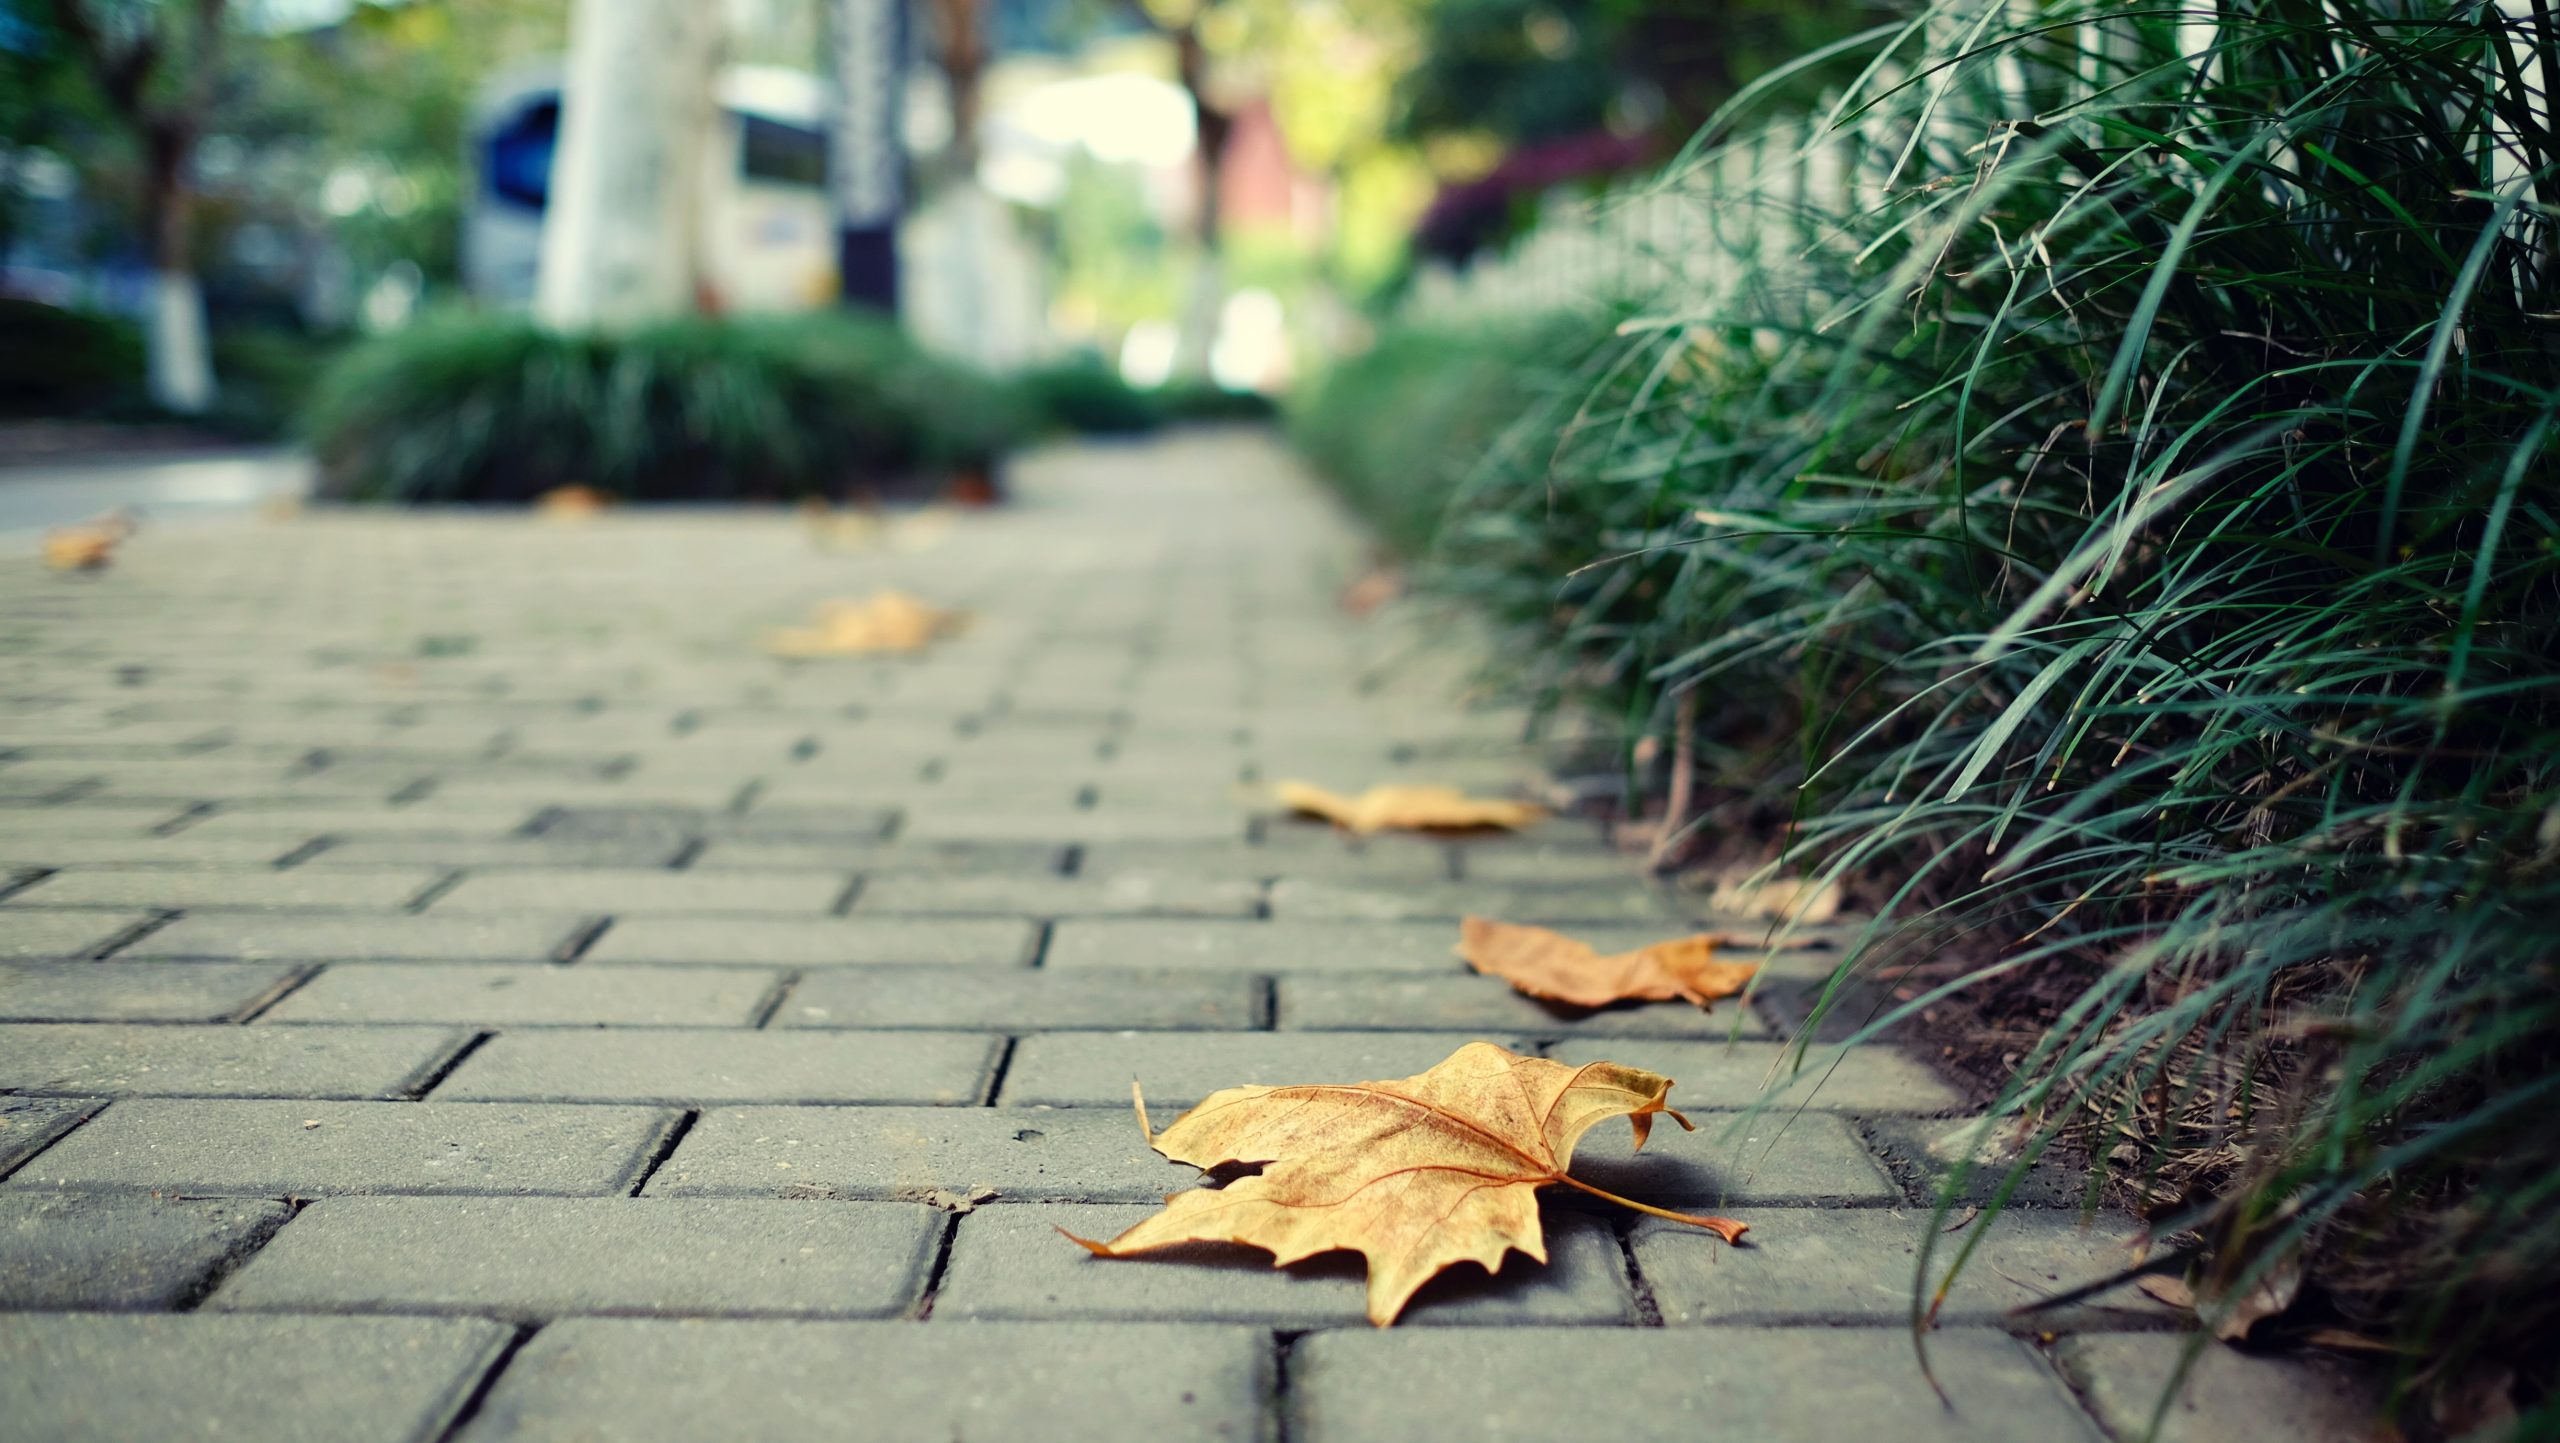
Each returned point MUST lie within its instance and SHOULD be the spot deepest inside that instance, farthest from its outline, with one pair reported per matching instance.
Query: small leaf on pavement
(1560, 969)
(887, 621)
(1407, 808)
(572, 503)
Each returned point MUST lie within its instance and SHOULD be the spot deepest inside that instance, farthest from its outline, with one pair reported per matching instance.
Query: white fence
(1673, 235)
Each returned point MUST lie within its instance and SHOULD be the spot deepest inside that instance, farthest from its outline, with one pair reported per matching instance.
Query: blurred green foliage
(1085, 396)
(1401, 425)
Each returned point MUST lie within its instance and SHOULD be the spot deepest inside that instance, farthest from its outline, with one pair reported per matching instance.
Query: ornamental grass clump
(2097, 483)
(493, 408)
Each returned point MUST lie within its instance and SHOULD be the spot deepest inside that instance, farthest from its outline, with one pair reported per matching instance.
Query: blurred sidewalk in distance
(57, 493)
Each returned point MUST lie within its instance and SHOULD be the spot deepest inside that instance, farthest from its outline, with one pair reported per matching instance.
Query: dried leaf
(1415, 1174)
(2173, 1291)
(1407, 808)
(79, 548)
(2273, 1295)
(889, 621)
(1559, 968)
(921, 531)
(834, 530)
(1790, 900)
(89, 546)
(1379, 586)
(572, 503)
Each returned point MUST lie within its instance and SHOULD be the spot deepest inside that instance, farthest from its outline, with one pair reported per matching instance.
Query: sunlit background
(1204, 192)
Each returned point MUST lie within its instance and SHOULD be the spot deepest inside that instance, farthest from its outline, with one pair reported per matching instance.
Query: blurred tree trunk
(169, 115)
(621, 235)
(1201, 309)
(964, 66)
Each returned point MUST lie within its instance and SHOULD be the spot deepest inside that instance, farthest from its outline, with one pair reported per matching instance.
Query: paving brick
(1022, 1154)
(315, 1149)
(252, 889)
(1535, 1385)
(501, 994)
(617, 892)
(129, 853)
(36, 785)
(121, 1060)
(2225, 1397)
(1090, 826)
(1515, 861)
(301, 821)
(107, 1250)
(1018, 1001)
(1326, 1002)
(763, 823)
(675, 792)
(671, 1382)
(1255, 947)
(1921, 1154)
(1127, 895)
(1094, 1069)
(1296, 900)
(685, 1068)
(112, 1378)
(136, 991)
(1877, 1079)
(1776, 1159)
(529, 938)
(1009, 1262)
(32, 933)
(28, 1125)
(877, 858)
(508, 851)
(19, 824)
(820, 942)
(533, 1259)
(1380, 861)
(1858, 1266)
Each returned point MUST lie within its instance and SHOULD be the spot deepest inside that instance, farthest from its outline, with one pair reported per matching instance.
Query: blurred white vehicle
(767, 235)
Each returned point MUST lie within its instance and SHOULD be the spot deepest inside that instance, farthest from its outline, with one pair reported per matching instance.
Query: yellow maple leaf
(89, 546)
(1411, 808)
(79, 548)
(1416, 1174)
(572, 503)
(1562, 969)
(887, 621)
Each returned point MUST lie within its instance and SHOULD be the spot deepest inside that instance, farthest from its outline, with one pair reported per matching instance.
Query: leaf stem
(1725, 1228)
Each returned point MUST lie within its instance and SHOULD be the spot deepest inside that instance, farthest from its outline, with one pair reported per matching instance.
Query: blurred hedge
(1083, 396)
(494, 409)
(1399, 426)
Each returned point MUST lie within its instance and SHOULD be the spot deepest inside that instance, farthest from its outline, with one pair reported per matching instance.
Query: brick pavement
(453, 986)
